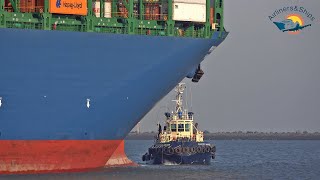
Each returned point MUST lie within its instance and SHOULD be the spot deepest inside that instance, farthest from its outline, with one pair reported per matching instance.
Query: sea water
(235, 159)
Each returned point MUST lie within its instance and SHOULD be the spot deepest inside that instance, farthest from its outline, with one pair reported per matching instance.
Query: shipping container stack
(39, 6)
(211, 15)
(27, 6)
(168, 17)
(96, 8)
(136, 11)
(123, 12)
(8, 6)
(152, 11)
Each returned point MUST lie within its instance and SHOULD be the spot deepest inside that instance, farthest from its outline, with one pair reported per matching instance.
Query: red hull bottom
(37, 156)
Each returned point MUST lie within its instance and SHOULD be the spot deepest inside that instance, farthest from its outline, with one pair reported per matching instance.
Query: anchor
(198, 74)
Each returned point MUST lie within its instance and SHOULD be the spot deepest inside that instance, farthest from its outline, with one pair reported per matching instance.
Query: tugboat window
(180, 127)
(173, 127)
(187, 127)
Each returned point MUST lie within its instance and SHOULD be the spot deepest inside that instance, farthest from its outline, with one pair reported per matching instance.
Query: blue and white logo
(294, 23)
(292, 19)
(58, 3)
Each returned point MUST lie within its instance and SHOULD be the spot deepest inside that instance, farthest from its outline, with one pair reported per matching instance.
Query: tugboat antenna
(179, 89)
(190, 98)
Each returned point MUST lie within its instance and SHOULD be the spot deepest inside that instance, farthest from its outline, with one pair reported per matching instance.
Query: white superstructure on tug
(180, 123)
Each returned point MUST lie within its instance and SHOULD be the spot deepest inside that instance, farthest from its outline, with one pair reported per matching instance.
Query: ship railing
(24, 25)
(199, 32)
(8, 8)
(157, 17)
(115, 30)
(187, 118)
(196, 33)
(119, 14)
(152, 1)
(66, 27)
(25, 9)
(149, 31)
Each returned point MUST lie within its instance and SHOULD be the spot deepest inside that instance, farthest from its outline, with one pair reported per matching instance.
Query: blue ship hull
(47, 78)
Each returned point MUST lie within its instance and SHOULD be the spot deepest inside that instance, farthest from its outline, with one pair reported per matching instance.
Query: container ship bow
(74, 74)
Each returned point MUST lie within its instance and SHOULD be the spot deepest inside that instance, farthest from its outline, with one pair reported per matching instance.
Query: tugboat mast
(179, 89)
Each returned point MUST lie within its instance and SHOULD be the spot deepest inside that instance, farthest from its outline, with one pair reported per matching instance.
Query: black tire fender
(208, 149)
(170, 150)
(185, 150)
(199, 149)
(178, 150)
(193, 150)
(203, 149)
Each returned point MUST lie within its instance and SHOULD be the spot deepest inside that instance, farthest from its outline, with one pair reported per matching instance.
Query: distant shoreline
(239, 136)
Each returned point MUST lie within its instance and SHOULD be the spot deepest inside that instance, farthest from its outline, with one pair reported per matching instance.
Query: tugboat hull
(180, 153)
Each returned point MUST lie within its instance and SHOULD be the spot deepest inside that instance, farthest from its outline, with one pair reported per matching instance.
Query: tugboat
(180, 141)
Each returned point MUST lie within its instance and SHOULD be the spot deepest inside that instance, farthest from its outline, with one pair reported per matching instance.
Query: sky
(259, 78)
